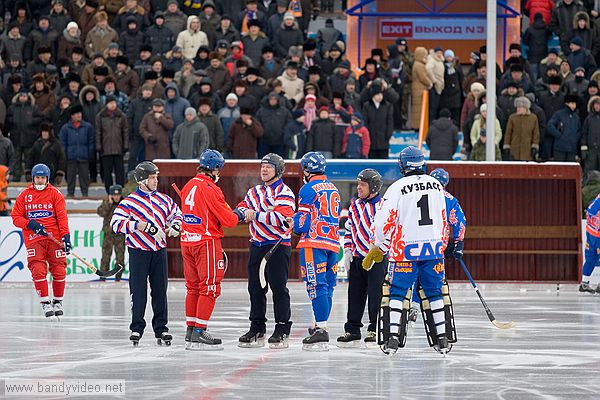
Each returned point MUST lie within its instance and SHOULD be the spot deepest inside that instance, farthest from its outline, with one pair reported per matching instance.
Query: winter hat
(254, 22)
(72, 77)
(571, 98)
(122, 60)
(445, 113)
(101, 16)
(522, 102)
(580, 69)
(159, 14)
(110, 98)
(531, 97)
(74, 109)
(43, 50)
(222, 44)
(231, 96)
(131, 20)
(158, 102)
(282, 3)
(553, 67)
(553, 51)
(190, 111)
(344, 64)
(377, 52)
(309, 44)
(577, 41)
(436, 49)
(297, 113)
(483, 108)
(23, 92)
(310, 97)
(337, 95)
(516, 68)
(150, 75)
(512, 84)
(146, 87)
(323, 108)
(291, 65)
(146, 47)
(100, 71)
(115, 189)
(71, 25)
(449, 53)
(267, 49)
(474, 55)
(168, 73)
(252, 71)
(314, 70)
(45, 127)
(204, 101)
(288, 15)
(401, 42)
(555, 80)
(376, 89)
(514, 46)
(245, 111)
(593, 84)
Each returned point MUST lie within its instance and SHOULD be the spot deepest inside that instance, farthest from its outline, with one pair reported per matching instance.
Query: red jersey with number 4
(205, 211)
(45, 206)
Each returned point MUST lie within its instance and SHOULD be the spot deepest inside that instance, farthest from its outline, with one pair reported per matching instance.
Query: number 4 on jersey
(189, 200)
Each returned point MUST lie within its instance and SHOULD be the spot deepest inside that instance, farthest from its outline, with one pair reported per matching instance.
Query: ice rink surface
(552, 353)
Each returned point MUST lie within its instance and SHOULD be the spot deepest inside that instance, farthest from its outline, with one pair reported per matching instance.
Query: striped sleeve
(348, 228)
(175, 215)
(284, 207)
(120, 221)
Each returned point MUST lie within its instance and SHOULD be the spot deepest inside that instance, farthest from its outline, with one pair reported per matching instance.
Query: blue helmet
(40, 170)
(441, 175)
(411, 159)
(211, 160)
(313, 162)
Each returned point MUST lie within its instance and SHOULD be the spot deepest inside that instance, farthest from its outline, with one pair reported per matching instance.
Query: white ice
(552, 353)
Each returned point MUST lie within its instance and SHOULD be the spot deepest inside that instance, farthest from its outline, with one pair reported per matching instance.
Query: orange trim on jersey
(315, 244)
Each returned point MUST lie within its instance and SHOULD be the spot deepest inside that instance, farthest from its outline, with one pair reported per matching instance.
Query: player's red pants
(203, 269)
(44, 255)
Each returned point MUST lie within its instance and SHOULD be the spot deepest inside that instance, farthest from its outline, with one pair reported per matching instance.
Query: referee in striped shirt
(357, 242)
(266, 207)
(147, 217)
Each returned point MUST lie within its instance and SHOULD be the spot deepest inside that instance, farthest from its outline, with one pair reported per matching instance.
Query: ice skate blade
(279, 345)
(388, 351)
(254, 344)
(371, 345)
(443, 351)
(135, 344)
(354, 344)
(205, 347)
(161, 342)
(322, 346)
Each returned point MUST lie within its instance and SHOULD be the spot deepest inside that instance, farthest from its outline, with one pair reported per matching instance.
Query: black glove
(458, 250)
(67, 244)
(152, 140)
(584, 155)
(506, 155)
(239, 214)
(37, 228)
(534, 153)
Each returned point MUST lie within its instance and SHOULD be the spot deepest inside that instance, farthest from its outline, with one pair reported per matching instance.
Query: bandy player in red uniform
(205, 212)
(40, 212)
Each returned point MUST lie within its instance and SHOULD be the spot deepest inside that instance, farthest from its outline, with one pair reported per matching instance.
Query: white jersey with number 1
(412, 220)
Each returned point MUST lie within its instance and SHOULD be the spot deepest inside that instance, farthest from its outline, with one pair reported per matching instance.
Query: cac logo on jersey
(39, 214)
(423, 251)
(191, 219)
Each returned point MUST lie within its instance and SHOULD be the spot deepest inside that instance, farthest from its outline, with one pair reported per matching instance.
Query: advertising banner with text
(432, 29)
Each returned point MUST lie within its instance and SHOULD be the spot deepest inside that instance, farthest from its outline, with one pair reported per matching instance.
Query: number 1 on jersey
(423, 205)
(189, 199)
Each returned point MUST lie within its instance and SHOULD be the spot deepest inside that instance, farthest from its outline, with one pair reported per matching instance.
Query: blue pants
(592, 254)
(319, 271)
(430, 274)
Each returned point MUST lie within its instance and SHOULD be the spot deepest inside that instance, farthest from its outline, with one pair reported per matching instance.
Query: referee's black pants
(147, 266)
(363, 284)
(277, 271)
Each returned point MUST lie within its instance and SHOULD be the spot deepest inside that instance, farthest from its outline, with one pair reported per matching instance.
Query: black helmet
(373, 178)
(276, 161)
(143, 170)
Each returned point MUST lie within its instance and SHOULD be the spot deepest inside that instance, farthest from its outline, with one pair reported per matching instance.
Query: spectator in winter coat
(581, 57)
(70, 38)
(451, 97)
(506, 100)
(583, 106)
(22, 124)
(551, 59)
(229, 113)
(101, 35)
(226, 31)
(251, 12)
(7, 154)
(242, 139)
(48, 150)
(276, 19)
(272, 115)
(420, 82)
(159, 36)
(110, 89)
(59, 17)
(578, 85)
(269, 66)
(190, 39)
(442, 137)
(357, 141)
(138, 108)
(254, 42)
(435, 69)
(543, 7)
(175, 19)
(128, 82)
(191, 137)
(42, 36)
(175, 105)
(293, 86)
(479, 136)
(131, 10)
(45, 99)
(132, 39)
(323, 137)
(211, 121)
(289, 34)
(112, 141)
(294, 135)
(582, 29)
(561, 22)
(590, 137)
(219, 76)
(522, 135)
(379, 120)
(155, 129)
(565, 127)
(327, 36)
(536, 37)
(13, 43)
(79, 141)
(209, 20)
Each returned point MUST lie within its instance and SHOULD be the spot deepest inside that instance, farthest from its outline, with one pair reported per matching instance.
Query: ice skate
(278, 340)
(443, 347)
(165, 338)
(585, 287)
(371, 340)
(58, 308)
(318, 341)
(252, 339)
(135, 338)
(188, 336)
(391, 346)
(311, 330)
(48, 310)
(202, 341)
(413, 314)
(348, 340)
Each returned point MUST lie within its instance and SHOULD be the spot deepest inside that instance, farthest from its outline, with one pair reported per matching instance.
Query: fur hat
(74, 109)
(123, 60)
(101, 16)
(310, 97)
(571, 98)
(245, 111)
(150, 75)
(555, 80)
(516, 67)
(254, 22)
(309, 44)
(252, 71)
(514, 46)
(45, 127)
(323, 108)
(100, 71)
(522, 102)
(297, 113)
(205, 101)
(110, 98)
(168, 73)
